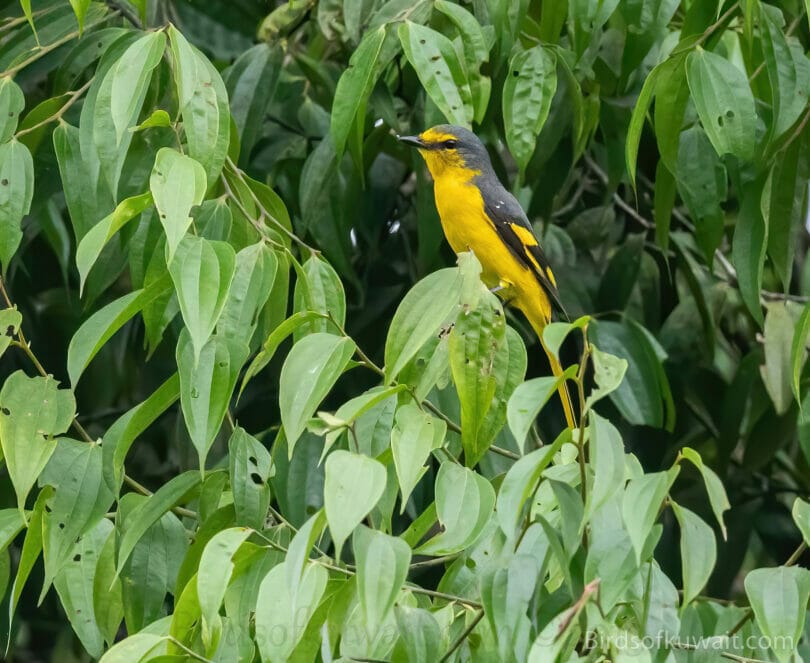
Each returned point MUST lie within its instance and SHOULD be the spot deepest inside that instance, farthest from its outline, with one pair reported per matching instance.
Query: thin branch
(42, 51)
(74, 97)
(461, 638)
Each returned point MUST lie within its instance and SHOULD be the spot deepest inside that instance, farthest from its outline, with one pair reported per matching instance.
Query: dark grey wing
(516, 232)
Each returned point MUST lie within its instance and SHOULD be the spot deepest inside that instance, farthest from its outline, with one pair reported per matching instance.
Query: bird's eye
(450, 144)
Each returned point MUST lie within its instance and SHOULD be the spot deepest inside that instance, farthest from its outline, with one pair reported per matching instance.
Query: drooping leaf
(202, 272)
(419, 315)
(278, 611)
(12, 102)
(724, 102)
(120, 96)
(213, 576)
(464, 503)
(714, 486)
(778, 597)
(251, 467)
(642, 503)
(353, 485)
(203, 105)
(309, 372)
(206, 386)
(80, 500)
(527, 94)
(16, 193)
(435, 60)
(177, 183)
(97, 237)
(698, 552)
(102, 325)
(32, 412)
(414, 436)
(382, 566)
(355, 86)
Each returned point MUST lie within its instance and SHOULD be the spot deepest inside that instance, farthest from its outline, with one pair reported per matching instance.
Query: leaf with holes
(251, 467)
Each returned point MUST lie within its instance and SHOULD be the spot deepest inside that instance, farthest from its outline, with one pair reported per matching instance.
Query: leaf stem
(461, 638)
(42, 51)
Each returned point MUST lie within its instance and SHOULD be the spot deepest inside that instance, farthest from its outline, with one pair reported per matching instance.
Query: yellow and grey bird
(478, 214)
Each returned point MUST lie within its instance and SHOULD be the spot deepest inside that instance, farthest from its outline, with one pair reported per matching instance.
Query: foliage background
(692, 265)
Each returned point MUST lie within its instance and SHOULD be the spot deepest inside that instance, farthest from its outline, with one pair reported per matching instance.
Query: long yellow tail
(537, 320)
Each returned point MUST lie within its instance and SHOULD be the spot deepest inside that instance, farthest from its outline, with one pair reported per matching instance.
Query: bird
(479, 214)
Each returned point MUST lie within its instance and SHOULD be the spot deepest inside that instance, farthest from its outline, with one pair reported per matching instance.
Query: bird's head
(448, 149)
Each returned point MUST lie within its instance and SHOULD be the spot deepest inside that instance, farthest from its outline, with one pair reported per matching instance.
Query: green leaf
(203, 103)
(527, 93)
(779, 600)
(476, 42)
(271, 343)
(108, 604)
(714, 486)
(319, 289)
(382, 566)
(474, 344)
(348, 413)
(640, 397)
(32, 547)
(147, 512)
(16, 193)
(11, 523)
(310, 371)
(607, 463)
(671, 99)
(554, 333)
(801, 516)
(436, 62)
(103, 324)
(12, 102)
(642, 503)
(80, 8)
(776, 372)
(637, 119)
(251, 82)
(698, 552)
(202, 272)
(213, 577)
(74, 584)
(136, 647)
(277, 611)
(419, 633)
(251, 467)
(519, 484)
(352, 487)
(153, 564)
(724, 103)
(783, 201)
(608, 373)
(120, 96)
(97, 237)
(177, 183)
(528, 400)
(421, 312)
(206, 386)
(748, 248)
(253, 278)
(300, 547)
(32, 412)
(80, 500)
(120, 436)
(414, 436)
(355, 86)
(10, 320)
(787, 82)
(464, 504)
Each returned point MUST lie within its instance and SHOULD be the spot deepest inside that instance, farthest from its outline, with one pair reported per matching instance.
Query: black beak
(413, 141)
